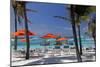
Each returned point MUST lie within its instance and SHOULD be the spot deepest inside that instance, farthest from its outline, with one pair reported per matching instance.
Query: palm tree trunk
(74, 34)
(94, 37)
(79, 34)
(94, 40)
(80, 42)
(26, 31)
(15, 44)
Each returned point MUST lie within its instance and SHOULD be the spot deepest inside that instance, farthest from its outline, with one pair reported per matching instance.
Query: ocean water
(38, 43)
(86, 42)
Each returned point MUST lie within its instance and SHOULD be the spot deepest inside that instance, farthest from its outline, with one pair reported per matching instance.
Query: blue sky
(43, 21)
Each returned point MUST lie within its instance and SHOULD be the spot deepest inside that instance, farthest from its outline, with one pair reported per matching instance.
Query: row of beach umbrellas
(46, 36)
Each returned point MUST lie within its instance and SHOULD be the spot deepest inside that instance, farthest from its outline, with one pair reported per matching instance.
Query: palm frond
(85, 18)
(61, 17)
(13, 2)
(30, 10)
(20, 9)
(92, 28)
(20, 20)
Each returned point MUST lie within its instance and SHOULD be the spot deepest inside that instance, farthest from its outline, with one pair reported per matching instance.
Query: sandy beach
(52, 57)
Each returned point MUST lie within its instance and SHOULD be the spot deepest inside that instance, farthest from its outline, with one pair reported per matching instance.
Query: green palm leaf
(61, 17)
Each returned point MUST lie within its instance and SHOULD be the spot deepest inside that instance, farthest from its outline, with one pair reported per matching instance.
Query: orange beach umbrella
(22, 33)
(62, 39)
(23, 40)
(49, 35)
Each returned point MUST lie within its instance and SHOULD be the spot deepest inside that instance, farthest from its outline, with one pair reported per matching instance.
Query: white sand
(23, 62)
(56, 58)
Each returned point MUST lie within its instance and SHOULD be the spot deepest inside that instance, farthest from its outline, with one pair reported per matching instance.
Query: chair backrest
(57, 47)
(66, 46)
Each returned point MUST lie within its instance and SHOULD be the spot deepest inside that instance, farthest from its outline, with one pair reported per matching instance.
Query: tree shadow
(52, 60)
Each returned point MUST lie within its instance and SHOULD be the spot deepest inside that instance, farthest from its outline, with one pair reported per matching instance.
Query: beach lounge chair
(57, 51)
(57, 47)
(36, 53)
(66, 50)
(19, 54)
(50, 53)
(73, 50)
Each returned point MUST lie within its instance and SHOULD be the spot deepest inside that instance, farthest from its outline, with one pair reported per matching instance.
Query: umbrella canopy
(23, 40)
(62, 39)
(51, 40)
(22, 33)
(49, 35)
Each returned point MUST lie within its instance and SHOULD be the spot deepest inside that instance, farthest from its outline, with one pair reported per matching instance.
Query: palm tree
(82, 13)
(72, 13)
(26, 28)
(22, 6)
(92, 29)
(72, 20)
(19, 13)
(24, 15)
(15, 12)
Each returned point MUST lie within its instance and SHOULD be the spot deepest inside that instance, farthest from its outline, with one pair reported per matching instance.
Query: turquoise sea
(38, 43)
